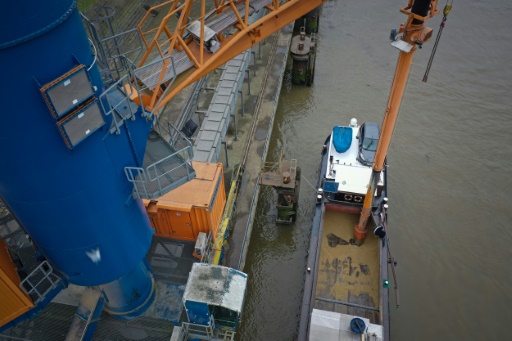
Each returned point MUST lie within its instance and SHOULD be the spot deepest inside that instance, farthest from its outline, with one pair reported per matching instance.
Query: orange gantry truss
(196, 37)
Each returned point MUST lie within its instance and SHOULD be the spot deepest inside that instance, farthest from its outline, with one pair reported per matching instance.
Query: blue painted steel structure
(75, 203)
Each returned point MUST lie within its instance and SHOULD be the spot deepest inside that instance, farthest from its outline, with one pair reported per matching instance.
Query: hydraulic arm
(414, 34)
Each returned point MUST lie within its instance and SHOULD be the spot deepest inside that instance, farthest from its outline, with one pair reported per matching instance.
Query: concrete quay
(254, 110)
(266, 86)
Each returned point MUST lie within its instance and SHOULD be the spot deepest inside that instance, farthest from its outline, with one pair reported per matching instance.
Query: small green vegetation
(84, 5)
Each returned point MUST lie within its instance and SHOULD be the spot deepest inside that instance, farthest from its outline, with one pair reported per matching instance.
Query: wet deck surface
(346, 272)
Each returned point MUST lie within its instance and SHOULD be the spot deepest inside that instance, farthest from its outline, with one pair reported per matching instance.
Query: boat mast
(414, 34)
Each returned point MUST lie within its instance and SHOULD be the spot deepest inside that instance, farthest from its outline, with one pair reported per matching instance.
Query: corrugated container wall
(13, 301)
(194, 207)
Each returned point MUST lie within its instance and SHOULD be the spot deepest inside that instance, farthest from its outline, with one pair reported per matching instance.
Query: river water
(450, 183)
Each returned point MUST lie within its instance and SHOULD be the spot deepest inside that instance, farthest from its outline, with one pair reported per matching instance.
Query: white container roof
(216, 285)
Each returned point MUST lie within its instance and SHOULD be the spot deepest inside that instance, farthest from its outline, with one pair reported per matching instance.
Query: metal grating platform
(207, 145)
(228, 18)
(171, 261)
(165, 167)
(149, 75)
(54, 322)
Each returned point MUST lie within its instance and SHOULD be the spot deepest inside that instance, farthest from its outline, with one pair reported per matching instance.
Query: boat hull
(343, 279)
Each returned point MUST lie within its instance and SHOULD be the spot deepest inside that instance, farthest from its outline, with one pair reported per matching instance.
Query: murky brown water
(450, 186)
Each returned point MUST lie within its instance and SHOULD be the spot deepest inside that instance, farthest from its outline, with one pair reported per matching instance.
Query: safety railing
(167, 164)
(199, 332)
(224, 334)
(115, 53)
(123, 50)
(39, 282)
(155, 79)
(118, 101)
(206, 255)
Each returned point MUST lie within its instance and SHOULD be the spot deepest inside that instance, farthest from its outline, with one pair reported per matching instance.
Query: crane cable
(446, 11)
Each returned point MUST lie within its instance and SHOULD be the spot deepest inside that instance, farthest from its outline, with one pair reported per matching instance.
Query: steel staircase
(166, 165)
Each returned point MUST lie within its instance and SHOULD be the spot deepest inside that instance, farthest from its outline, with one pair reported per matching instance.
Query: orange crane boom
(414, 34)
(206, 42)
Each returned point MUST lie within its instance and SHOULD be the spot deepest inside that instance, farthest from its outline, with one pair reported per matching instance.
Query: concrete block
(201, 155)
(229, 76)
(206, 135)
(227, 84)
(217, 108)
(204, 145)
(211, 125)
(216, 116)
(222, 98)
(224, 91)
(237, 62)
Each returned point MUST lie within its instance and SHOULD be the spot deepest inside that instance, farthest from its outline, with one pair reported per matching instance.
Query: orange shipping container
(13, 301)
(194, 207)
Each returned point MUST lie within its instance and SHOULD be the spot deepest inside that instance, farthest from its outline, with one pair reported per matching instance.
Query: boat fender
(393, 34)
(379, 231)
(357, 325)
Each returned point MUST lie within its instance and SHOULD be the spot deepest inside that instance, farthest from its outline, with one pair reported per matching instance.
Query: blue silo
(62, 171)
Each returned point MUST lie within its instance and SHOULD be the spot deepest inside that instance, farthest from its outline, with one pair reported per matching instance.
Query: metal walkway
(208, 143)
(151, 76)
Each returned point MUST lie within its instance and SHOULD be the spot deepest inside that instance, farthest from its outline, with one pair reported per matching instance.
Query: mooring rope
(309, 183)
